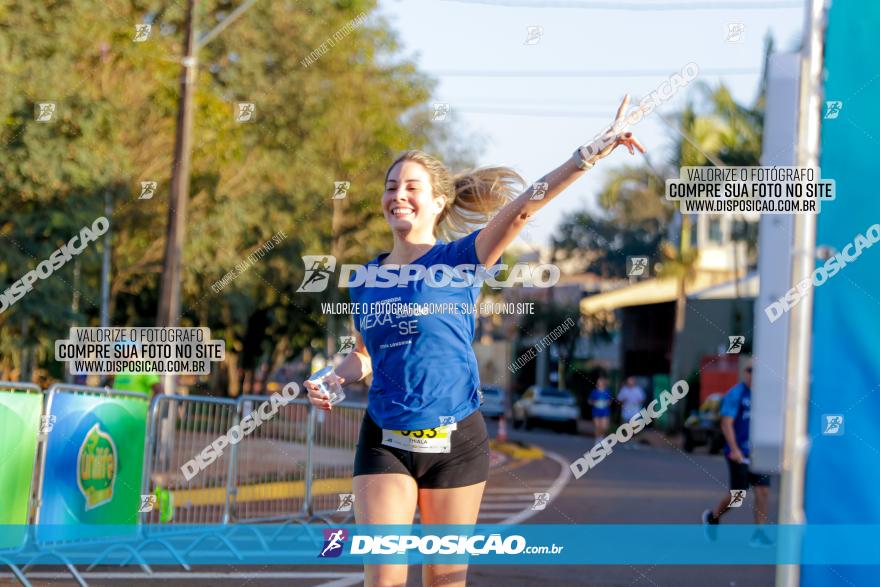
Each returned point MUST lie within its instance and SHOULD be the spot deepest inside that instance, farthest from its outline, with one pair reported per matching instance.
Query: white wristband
(582, 159)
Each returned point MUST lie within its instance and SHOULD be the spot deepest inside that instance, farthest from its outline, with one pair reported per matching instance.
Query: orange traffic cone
(501, 436)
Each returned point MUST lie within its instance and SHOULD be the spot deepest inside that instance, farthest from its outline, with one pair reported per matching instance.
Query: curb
(517, 450)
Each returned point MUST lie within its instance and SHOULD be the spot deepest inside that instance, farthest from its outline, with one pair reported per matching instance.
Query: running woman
(423, 442)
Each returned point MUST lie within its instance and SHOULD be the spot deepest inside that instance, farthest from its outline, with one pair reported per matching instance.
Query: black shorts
(467, 463)
(742, 478)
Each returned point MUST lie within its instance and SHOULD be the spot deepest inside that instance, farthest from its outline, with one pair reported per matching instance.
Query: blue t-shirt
(601, 401)
(424, 368)
(737, 404)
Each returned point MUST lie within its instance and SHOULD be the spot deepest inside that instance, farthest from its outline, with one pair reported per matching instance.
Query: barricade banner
(20, 412)
(93, 465)
(843, 434)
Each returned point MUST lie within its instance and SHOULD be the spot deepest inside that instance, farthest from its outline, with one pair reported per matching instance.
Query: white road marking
(507, 505)
(554, 490)
(356, 579)
(509, 496)
(531, 488)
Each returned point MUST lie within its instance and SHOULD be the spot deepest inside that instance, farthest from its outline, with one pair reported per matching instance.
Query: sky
(531, 104)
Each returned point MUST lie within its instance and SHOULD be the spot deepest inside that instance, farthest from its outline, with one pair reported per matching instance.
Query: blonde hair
(472, 197)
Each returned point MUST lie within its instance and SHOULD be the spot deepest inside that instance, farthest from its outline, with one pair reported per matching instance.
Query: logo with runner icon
(334, 541)
(346, 501)
(148, 502)
(735, 344)
(737, 496)
(541, 501)
(319, 268)
(346, 345)
(636, 266)
(832, 424)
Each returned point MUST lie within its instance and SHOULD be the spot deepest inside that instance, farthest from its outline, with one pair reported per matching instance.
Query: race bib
(431, 440)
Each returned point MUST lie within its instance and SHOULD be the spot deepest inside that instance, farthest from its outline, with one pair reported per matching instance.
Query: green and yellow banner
(20, 413)
(94, 460)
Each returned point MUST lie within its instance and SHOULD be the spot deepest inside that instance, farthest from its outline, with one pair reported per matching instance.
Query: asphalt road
(637, 484)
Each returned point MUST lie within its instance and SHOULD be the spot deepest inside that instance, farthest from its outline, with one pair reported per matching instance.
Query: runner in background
(600, 401)
(736, 410)
(631, 398)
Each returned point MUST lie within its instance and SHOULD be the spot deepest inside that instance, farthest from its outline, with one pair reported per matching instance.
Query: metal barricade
(269, 464)
(334, 437)
(292, 464)
(179, 444)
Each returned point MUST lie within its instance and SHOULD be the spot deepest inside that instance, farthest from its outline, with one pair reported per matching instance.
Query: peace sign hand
(613, 137)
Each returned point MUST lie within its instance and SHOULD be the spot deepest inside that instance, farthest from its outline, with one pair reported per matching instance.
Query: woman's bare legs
(388, 498)
(460, 505)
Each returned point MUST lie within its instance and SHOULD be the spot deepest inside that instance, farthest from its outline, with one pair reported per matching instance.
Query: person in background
(736, 410)
(148, 383)
(600, 401)
(631, 398)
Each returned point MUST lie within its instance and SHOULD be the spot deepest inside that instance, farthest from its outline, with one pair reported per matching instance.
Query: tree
(635, 215)
(633, 221)
(727, 133)
(340, 118)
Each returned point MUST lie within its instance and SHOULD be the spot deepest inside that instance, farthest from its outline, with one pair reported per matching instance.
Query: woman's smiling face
(409, 203)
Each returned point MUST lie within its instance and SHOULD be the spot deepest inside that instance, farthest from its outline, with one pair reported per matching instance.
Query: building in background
(720, 304)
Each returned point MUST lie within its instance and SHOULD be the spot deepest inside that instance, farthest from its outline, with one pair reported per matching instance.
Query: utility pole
(74, 310)
(105, 263)
(169, 296)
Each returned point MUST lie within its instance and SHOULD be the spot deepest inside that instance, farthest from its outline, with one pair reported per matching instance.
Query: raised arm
(510, 220)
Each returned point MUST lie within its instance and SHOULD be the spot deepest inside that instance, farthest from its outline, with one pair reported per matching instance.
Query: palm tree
(722, 133)
(681, 264)
(727, 134)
